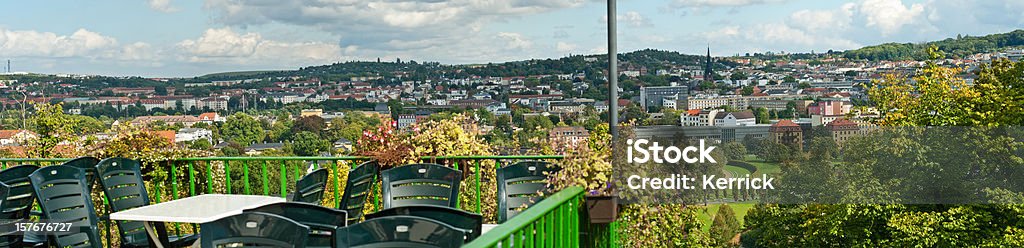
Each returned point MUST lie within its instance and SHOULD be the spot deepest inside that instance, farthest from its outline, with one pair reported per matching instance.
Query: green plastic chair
(121, 180)
(89, 165)
(518, 185)
(16, 205)
(253, 229)
(469, 223)
(322, 221)
(399, 231)
(421, 184)
(357, 189)
(63, 197)
(310, 189)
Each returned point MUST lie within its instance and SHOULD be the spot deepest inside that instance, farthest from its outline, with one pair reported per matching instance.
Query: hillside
(953, 47)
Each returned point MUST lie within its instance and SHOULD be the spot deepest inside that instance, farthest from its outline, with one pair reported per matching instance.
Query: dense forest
(958, 47)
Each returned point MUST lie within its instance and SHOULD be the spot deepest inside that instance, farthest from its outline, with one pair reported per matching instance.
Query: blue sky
(179, 38)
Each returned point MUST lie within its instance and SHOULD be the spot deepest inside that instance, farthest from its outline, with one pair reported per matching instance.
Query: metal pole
(613, 74)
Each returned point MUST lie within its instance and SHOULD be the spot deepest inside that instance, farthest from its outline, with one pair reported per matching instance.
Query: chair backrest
(63, 197)
(89, 165)
(16, 204)
(399, 231)
(518, 185)
(322, 221)
(469, 223)
(357, 189)
(253, 229)
(121, 180)
(310, 189)
(420, 184)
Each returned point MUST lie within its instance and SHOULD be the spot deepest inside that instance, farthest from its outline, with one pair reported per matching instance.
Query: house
(211, 117)
(788, 133)
(699, 117)
(312, 112)
(842, 130)
(193, 134)
(561, 137)
(15, 137)
(732, 119)
(259, 148)
(343, 144)
(185, 120)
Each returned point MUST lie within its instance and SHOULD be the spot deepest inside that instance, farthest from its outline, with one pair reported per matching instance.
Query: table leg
(152, 234)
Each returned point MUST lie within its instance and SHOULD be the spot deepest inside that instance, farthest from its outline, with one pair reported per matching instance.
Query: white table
(486, 228)
(196, 210)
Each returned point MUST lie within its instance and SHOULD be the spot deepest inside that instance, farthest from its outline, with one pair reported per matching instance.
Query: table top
(196, 209)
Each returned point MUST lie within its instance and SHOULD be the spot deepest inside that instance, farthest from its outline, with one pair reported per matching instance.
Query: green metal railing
(552, 222)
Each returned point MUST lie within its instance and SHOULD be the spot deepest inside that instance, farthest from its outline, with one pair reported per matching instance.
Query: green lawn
(741, 208)
(736, 171)
(762, 166)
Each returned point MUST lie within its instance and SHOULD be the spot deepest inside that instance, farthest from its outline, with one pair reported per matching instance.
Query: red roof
(209, 116)
(169, 135)
(842, 122)
(7, 134)
(785, 123)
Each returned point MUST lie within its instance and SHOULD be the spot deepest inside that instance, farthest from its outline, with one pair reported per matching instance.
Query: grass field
(762, 166)
(708, 214)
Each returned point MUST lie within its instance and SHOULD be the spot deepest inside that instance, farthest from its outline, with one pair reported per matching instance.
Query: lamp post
(613, 74)
(24, 100)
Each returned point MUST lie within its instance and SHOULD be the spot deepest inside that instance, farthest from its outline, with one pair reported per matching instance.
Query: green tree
(761, 115)
(725, 226)
(314, 124)
(734, 150)
(307, 143)
(243, 129)
(52, 126)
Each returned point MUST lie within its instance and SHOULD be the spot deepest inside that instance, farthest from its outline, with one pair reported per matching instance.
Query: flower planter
(602, 209)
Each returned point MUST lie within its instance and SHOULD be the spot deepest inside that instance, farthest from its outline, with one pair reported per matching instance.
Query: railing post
(227, 175)
(245, 176)
(284, 178)
(335, 174)
(191, 179)
(266, 178)
(479, 191)
(209, 176)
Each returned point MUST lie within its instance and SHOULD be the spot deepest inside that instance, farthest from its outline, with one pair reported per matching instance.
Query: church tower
(707, 68)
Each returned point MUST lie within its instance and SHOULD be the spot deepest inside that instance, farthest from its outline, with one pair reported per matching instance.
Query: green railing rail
(552, 222)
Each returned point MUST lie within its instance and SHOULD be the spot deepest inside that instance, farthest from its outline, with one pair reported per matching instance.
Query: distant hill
(235, 74)
(953, 47)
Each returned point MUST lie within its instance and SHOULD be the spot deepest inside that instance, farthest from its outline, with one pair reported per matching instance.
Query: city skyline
(169, 38)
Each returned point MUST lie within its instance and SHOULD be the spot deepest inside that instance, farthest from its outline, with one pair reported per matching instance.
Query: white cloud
(515, 41)
(722, 3)
(162, 6)
(428, 29)
(775, 37)
(890, 16)
(226, 46)
(635, 19)
(565, 47)
(823, 20)
(631, 18)
(82, 43)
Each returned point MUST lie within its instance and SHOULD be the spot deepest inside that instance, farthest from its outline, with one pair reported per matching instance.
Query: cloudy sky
(183, 38)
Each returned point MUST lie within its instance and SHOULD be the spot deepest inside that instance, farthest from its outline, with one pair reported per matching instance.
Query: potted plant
(588, 165)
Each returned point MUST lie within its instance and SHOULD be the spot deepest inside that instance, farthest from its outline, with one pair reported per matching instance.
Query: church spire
(707, 67)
